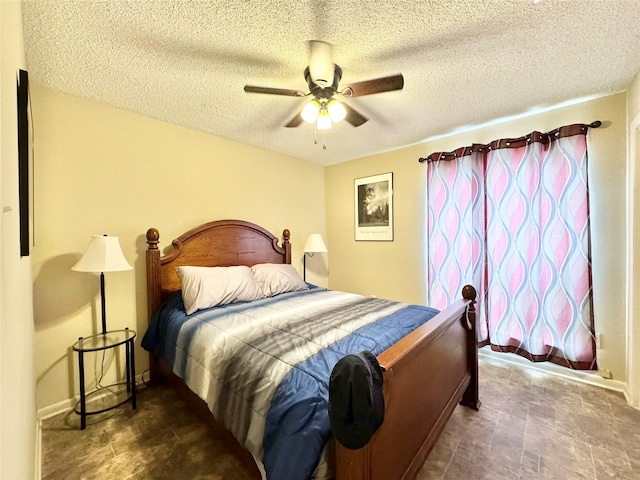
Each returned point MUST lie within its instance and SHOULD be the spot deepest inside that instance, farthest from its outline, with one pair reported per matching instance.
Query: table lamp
(314, 244)
(103, 254)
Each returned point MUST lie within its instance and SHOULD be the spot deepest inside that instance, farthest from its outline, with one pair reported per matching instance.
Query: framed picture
(374, 207)
(25, 163)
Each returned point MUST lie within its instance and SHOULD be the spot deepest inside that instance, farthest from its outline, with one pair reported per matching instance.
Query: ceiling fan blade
(274, 91)
(295, 121)
(353, 117)
(378, 85)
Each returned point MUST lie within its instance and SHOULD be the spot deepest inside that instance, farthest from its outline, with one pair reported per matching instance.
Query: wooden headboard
(222, 243)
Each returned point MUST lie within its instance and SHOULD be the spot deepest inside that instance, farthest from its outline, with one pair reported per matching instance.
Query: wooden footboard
(426, 374)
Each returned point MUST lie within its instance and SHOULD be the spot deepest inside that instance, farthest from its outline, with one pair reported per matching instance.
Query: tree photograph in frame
(374, 207)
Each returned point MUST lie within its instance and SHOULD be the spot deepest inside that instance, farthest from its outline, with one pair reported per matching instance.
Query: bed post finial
(469, 293)
(152, 238)
(286, 236)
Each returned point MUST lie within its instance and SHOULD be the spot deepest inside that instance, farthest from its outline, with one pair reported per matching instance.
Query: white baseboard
(581, 376)
(67, 405)
(56, 409)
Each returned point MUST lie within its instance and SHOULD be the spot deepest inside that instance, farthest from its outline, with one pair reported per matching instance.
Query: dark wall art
(374, 207)
(25, 163)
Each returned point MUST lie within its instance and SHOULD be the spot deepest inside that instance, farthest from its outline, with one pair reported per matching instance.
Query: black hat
(356, 403)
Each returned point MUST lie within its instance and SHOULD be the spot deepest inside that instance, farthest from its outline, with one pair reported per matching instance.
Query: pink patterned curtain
(456, 233)
(512, 218)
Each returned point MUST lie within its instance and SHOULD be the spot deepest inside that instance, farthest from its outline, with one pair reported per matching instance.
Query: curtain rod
(560, 132)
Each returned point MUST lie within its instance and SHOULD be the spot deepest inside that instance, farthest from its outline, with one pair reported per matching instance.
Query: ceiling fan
(323, 78)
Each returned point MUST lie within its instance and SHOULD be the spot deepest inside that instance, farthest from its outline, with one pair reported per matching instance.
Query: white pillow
(206, 287)
(275, 278)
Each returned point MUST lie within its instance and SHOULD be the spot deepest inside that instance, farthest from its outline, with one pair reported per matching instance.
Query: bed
(427, 372)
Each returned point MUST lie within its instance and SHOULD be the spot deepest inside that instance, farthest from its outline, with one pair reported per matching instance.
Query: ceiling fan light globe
(337, 112)
(324, 120)
(310, 111)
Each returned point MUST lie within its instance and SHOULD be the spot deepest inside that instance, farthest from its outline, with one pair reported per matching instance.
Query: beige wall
(99, 170)
(634, 242)
(396, 269)
(18, 430)
(103, 170)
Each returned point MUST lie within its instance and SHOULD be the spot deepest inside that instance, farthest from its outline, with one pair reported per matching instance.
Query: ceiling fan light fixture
(324, 120)
(323, 79)
(310, 111)
(337, 112)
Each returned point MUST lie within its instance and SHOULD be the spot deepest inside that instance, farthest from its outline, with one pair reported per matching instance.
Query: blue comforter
(263, 367)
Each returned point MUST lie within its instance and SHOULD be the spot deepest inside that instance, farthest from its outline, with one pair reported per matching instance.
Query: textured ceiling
(464, 62)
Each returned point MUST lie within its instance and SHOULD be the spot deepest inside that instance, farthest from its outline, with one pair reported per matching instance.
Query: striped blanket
(263, 367)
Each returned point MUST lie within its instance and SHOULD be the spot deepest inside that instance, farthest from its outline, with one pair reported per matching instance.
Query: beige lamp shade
(102, 255)
(315, 244)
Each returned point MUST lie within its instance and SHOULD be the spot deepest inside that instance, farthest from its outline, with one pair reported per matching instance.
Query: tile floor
(531, 425)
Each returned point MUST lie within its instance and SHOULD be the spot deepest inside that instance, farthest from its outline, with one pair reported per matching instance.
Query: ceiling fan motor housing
(320, 91)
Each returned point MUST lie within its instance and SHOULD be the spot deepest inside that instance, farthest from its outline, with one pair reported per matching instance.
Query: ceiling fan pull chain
(324, 139)
(315, 134)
